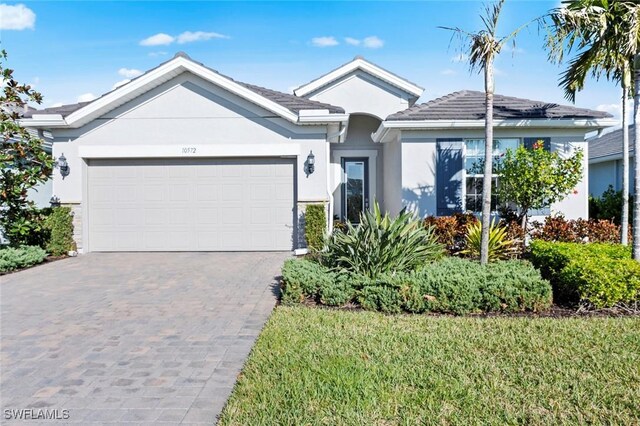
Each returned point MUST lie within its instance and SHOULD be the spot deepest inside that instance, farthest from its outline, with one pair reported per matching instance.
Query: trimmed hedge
(59, 225)
(452, 285)
(315, 226)
(12, 259)
(596, 273)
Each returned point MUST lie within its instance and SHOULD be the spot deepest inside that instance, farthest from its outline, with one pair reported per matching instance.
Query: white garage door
(190, 204)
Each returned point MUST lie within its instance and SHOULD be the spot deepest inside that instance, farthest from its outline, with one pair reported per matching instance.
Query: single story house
(184, 158)
(605, 162)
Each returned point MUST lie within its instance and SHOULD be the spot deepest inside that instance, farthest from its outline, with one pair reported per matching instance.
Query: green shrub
(381, 244)
(609, 206)
(600, 274)
(12, 259)
(381, 294)
(339, 291)
(315, 226)
(500, 246)
(452, 285)
(303, 278)
(59, 225)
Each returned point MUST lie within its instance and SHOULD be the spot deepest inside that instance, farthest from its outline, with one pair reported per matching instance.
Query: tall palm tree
(482, 48)
(597, 30)
(607, 32)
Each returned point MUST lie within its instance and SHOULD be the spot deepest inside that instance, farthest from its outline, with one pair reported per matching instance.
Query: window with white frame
(474, 170)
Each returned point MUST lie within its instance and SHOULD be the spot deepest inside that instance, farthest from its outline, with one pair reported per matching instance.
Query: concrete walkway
(148, 338)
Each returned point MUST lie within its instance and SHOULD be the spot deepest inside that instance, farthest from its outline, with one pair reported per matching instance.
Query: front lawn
(321, 366)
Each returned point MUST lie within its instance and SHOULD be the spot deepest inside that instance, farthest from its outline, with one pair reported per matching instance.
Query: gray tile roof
(470, 105)
(609, 144)
(63, 110)
(291, 102)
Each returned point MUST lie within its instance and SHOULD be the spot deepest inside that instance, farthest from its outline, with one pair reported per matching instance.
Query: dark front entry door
(355, 188)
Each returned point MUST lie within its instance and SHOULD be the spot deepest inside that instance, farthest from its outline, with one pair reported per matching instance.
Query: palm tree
(596, 29)
(607, 34)
(482, 48)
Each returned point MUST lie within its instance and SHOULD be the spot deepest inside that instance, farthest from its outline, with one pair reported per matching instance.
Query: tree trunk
(636, 161)
(488, 162)
(624, 221)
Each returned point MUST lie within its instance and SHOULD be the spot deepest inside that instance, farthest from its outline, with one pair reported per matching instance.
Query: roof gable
(470, 105)
(282, 104)
(359, 63)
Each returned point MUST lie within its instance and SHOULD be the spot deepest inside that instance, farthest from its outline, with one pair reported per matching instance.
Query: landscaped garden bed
(327, 366)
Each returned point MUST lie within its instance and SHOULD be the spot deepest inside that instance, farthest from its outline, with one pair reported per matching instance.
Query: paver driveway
(132, 337)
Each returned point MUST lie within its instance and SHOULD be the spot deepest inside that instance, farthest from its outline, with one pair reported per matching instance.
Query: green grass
(328, 367)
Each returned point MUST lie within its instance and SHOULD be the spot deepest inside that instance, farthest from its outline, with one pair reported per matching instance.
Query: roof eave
(551, 123)
(368, 67)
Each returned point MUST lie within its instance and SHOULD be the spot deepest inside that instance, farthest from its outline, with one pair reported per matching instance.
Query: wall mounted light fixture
(311, 161)
(61, 163)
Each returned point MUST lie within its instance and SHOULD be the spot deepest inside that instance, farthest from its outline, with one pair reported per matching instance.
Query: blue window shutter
(528, 143)
(449, 165)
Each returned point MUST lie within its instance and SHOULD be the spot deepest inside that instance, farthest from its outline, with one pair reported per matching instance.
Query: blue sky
(75, 50)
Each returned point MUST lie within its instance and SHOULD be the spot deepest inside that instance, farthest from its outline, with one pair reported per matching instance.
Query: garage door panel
(190, 204)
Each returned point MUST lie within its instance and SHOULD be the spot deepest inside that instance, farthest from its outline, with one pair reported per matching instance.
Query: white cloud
(55, 105)
(352, 41)
(86, 97)
(189, 36)
(461, 57)
(160, 39)
(129, 72)
(16, 17)
(372, 42)
(160, 53)
(324, 41)
(120, 83)
(163, 39)
(448, 71)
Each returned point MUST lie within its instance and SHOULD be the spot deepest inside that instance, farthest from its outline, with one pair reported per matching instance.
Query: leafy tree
(536, 178)
(482, 48)
(598, 29)
(23, 162)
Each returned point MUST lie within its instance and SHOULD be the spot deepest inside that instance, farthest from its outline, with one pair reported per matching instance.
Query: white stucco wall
(188, 111)
(392, 172)
(361, 92)
(605, 173)
(419, 165)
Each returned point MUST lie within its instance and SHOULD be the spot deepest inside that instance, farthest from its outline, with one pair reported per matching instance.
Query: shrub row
(599, 274)
(452, 285)
(12, 259)
(576, 231)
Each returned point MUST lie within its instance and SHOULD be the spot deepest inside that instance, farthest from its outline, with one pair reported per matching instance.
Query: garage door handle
(289, 226)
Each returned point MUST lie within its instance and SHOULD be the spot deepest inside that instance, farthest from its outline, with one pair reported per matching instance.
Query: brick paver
(148, 338)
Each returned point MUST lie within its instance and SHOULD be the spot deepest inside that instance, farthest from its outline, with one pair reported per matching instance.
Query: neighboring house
(605, 162)
(183, 158)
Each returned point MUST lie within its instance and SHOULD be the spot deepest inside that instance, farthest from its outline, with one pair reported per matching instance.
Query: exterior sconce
(62, 164)
(54, 201)
(311, 161)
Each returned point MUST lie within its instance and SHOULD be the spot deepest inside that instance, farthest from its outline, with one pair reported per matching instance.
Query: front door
(355, 188)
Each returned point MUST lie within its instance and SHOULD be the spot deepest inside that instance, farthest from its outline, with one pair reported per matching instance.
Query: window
(474, 167)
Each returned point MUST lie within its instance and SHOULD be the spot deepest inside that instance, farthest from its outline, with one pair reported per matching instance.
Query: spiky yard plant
(382, 244)
(500, 246)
